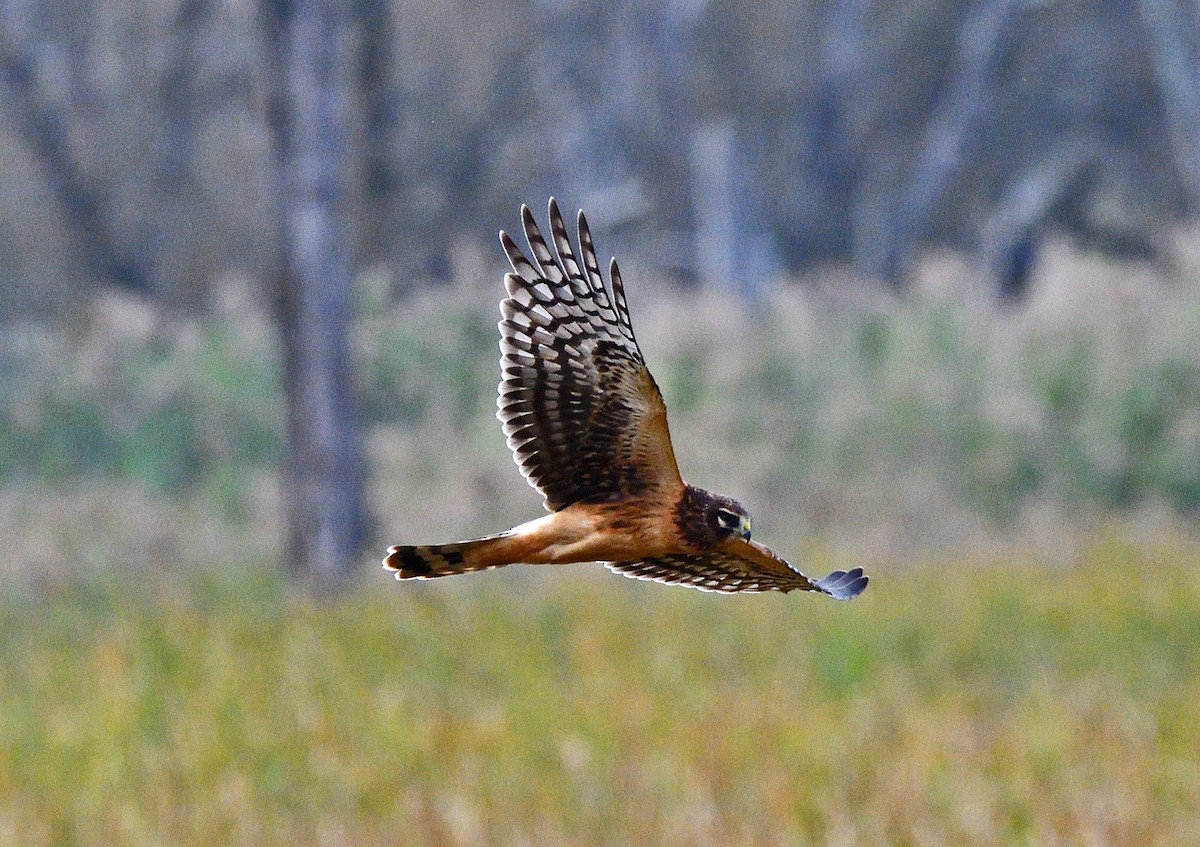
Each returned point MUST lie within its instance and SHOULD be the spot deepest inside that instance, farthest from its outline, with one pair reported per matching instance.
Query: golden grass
(951, 704)
(155, 689)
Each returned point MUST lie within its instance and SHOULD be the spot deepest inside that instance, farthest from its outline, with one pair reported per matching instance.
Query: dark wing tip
(406, 562)
(844, 585)
(515, 257)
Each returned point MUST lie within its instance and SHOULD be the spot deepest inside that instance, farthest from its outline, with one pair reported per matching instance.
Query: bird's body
(588, 429)
(582, 532)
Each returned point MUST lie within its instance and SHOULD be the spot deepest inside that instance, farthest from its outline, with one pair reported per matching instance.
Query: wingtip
(844, 585)
(515, 256)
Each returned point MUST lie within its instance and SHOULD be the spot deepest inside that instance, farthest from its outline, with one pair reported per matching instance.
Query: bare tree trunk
(1175, 52)
(323, 476)
(832, 152)
(45, 128)
(899, 227)
(715, 235)
(1010, 235)
(732, 253)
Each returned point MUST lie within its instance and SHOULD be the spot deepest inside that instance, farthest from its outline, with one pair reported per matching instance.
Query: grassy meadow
(1022, 483)
(951, 704)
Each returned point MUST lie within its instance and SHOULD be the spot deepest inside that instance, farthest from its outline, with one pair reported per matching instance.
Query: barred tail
(434, 560)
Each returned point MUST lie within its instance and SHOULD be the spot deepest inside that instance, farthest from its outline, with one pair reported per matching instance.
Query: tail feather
(433, 560)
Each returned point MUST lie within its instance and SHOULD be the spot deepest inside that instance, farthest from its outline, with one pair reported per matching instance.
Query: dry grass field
(1021, 483)
(1019, 703)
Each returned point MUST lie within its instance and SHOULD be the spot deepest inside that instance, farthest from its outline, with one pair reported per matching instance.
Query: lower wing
(740, 565)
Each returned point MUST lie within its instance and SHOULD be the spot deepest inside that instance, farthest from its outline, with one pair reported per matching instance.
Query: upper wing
(740, 565)
(583, 416)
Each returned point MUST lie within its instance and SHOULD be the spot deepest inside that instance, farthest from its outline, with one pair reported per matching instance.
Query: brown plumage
(588, 429)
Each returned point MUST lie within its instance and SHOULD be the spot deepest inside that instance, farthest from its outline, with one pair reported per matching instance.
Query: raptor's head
(726, 516)
(704, 519)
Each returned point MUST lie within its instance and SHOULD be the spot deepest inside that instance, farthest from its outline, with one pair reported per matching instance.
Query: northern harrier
(588, 429)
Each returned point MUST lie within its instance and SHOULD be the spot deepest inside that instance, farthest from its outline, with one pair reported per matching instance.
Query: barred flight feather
(726, 573)
(574, 390)
(587, 427)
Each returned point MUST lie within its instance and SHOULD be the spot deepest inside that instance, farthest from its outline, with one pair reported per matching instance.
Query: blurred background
(921, 285)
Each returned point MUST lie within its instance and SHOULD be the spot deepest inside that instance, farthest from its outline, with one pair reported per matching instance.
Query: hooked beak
(745, 528)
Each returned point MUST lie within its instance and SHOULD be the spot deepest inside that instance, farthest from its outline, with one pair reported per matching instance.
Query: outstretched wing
(583, 417)
(740, 565)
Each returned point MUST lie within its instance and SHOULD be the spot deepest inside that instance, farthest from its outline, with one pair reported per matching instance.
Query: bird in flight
(588, 428)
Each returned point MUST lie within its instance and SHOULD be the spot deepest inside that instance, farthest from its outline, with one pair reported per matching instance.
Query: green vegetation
(950, 704)
(936, 419)
(135, 397)
(157, 689)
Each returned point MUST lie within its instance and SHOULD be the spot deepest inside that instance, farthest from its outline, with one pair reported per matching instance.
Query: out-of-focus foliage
(123, 395)
(732, 144)
(923, 421)
(160, 684)
(717, 140)
(954, 704)
(830, 409)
